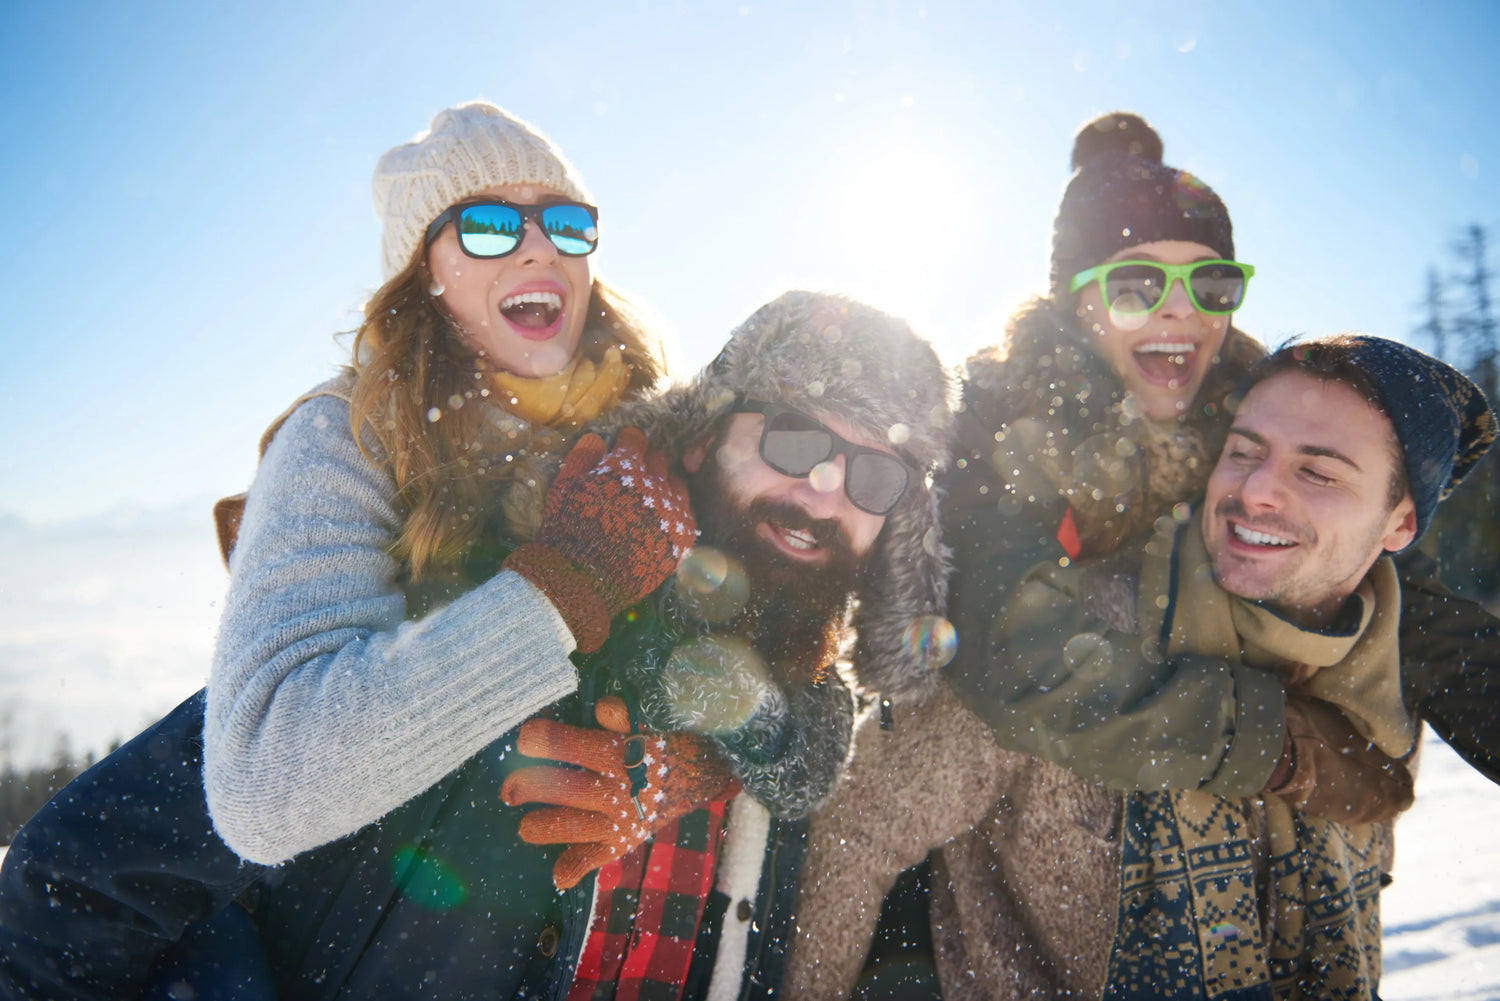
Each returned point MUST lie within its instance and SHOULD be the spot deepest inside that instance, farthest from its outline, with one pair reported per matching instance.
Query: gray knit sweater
(327, 708)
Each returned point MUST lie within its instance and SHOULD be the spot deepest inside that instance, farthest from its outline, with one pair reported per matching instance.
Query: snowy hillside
(1442, 913)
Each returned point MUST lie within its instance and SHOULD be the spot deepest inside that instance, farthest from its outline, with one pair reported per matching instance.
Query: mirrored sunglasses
(1215, 287)
(793, 444)
(493, 228)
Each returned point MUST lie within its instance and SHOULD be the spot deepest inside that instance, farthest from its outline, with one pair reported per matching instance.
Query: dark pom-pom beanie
(1121, 194)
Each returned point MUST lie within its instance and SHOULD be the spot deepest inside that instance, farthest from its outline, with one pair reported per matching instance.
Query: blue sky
(186, 219)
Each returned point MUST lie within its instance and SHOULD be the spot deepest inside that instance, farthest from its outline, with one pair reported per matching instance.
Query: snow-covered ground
(1442, 913)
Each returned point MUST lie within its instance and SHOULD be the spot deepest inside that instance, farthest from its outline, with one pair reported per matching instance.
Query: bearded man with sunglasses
(641, 838)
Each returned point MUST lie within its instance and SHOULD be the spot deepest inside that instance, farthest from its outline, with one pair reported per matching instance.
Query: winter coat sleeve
(1450, 664)
(326, 707)
(107, 877)
(1063, 684)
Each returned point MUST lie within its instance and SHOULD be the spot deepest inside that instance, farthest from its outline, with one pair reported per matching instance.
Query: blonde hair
(409, 362)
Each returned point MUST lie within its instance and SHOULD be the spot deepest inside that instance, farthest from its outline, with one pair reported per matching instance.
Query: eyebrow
(1158, 260)
(1314, 450)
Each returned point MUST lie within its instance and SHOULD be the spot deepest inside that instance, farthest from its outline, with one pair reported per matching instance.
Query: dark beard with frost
(793, 608)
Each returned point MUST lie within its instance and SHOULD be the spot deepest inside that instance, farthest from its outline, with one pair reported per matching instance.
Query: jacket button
(547, 941)
(743, 910)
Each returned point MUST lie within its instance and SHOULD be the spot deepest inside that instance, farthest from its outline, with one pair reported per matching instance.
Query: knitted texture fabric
(317, 665)
(464, 151)
(1441, 418)
(1122, 195)
(629, 786)
(615, 527)
(830, 356)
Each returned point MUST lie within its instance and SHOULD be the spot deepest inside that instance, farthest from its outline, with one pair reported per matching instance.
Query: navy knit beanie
(1441, 418)
(1121, 195)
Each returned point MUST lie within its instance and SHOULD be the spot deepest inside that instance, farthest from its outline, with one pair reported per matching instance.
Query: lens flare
(713, 684)
(1126, 314)
(931, 640)
(825, 478)
(711, 584)
(426, 880)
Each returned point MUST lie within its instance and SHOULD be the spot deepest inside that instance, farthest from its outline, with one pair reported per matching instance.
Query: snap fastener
(635, 750)
(546, 942)
(743, 910)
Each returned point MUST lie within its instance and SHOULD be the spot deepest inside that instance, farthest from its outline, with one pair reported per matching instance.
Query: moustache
(827, 532)
(1272, 524)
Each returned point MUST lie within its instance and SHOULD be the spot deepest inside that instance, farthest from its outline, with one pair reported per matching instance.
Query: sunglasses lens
(1218, 287)
(875, 481)
(794, 444)
(1134, 288)
(489, 230)
(571, 229)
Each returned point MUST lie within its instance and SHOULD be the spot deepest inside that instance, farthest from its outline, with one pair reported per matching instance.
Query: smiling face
(1161, 356)
(1299, 505)
(524, 312)
(804, 522)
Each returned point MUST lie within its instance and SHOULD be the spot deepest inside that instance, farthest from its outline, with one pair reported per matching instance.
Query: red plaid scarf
(647, 908)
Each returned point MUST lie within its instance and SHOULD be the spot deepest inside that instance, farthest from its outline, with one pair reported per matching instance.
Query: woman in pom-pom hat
(1103, 408)
(1101, 413)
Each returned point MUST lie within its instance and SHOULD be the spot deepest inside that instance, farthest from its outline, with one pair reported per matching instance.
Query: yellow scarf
(572, 397)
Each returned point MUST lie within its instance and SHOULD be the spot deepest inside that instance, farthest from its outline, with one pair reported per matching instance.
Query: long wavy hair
(409, 362)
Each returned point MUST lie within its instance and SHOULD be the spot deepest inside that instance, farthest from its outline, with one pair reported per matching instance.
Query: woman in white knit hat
(369, 646)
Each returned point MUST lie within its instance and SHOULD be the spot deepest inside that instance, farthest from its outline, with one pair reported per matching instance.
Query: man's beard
(793, 609)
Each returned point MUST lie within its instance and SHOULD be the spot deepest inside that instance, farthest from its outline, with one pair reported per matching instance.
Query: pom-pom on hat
(1121, 194)
(1442, 420)
(464, 151)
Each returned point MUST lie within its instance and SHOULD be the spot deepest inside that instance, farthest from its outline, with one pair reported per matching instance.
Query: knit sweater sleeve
(326, 707)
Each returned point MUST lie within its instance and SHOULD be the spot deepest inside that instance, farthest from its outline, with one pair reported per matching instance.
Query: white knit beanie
(465, 150)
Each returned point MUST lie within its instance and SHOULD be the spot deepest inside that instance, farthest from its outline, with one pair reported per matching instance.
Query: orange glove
(1328, 769)
(625, 787)
(615, 525)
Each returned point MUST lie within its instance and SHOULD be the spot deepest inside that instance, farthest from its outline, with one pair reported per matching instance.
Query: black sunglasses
(792, 443)
(491, 228)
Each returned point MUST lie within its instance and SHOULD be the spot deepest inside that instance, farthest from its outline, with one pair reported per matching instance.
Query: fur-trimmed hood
(828, 355)
(1053, 417)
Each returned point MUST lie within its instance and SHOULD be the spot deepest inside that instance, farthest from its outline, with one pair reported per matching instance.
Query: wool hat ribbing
(464, 151)
(1121, 195)
(1442, 420)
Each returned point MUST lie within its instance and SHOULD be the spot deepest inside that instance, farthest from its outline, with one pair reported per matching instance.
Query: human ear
(693, 455)
(1401, 526)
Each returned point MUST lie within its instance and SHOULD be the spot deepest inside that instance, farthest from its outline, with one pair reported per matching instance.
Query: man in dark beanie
(1275, 600)
(1240, 669)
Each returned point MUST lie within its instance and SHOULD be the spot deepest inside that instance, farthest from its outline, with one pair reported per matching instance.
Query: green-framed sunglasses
(1215, 287)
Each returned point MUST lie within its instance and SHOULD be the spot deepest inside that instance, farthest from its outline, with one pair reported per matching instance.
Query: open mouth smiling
(1167, 363)
(799, 543)
(1253, 537)
(536, 312)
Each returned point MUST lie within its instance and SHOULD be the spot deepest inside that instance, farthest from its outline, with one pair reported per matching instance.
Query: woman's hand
(624, 787)
(616, 525)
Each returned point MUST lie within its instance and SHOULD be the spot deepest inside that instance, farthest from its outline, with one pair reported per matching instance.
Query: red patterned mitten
(625, 786)
(615, 525)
